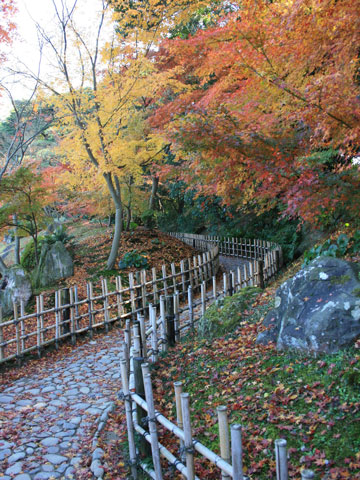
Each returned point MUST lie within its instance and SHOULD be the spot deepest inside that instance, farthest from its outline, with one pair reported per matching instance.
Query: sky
(24, 49)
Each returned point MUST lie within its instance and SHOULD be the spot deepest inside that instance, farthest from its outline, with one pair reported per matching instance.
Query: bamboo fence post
(132, 293)
(65, 312)
(152, 426)
(251, 274)
(173, 276)
(89, 292)
(182, 271)
(163, 271)
(72, 317)
(163, 324)
(143, 288)
(225, 282)
(57, 318)
(2, 348)
(191, 277)
(170, 321)
(190, 304)
(201, 269)
(154, 286)
(17, 331)
(196, 277)
(281, 459)
(203, 298)
(177, 316)
(104, 290)
(138, 296)
(129, 420)
(239, 278)
(76, 298)
(144, 447)
(214, 287)
(179, 419)
(119, 299)
(41, 301)
(224, 437)
(141, 319)
(260, 269)
(236, 452)
(231, 284)
(188, 444)
(22, 325)
(307, 475)
(154, 340)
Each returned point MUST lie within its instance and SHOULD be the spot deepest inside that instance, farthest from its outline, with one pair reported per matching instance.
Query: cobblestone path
(48, 420)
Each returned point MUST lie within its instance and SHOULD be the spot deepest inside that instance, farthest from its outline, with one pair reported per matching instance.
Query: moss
(224, 316)
(356, 292)
(340, 280)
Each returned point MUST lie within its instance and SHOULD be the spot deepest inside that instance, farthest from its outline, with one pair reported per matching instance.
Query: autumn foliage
(269, 107)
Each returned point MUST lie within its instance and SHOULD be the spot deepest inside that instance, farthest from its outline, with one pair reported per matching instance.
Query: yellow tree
(101, 92)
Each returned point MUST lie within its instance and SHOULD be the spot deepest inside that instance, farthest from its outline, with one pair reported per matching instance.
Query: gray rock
(55, 459)
(6, 399)
(22, 476)
(50, 441)
(16, 457)
(14, 469)
(98, 453)
(97, 469)
(53, 449)
(70, 472)
(4, 453)
(55, 264)
(318, 310)
(46, 475)
(15, 287)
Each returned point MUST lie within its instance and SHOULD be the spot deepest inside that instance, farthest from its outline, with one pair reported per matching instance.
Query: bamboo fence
(70, 312)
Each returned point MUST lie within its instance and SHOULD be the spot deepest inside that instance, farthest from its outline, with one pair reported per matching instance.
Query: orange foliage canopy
(266, 86)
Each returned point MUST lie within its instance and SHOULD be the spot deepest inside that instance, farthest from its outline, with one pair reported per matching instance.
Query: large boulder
(55, 264)
(15, 286)
(318, 309)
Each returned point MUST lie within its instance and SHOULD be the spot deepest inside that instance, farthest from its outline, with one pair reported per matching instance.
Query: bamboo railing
(70, 312)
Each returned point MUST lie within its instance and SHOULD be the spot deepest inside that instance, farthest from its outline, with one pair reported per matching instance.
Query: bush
(343, 245)
(133, 259)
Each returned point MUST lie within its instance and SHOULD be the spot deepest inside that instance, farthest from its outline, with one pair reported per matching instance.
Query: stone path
(231, 263)
(49, 420)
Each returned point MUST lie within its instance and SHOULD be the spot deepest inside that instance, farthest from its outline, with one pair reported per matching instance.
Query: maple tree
(267, 95)
(7, 26)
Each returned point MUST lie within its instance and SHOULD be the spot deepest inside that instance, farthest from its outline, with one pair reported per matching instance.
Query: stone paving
(48, 420)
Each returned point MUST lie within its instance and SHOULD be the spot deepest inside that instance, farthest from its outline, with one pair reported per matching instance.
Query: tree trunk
(3, 266)
(154, 189)
(128, 220)
(115, 192)
(17, 241)
(116, 238)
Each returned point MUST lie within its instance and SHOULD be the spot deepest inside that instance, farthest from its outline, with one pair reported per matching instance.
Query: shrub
(28, 258)
(342, 246)
(133, 259)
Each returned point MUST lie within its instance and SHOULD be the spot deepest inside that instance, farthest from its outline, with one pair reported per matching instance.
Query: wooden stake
(17, 330)
(89, 291)
(72, 317)
(119, 299)
(170, 321)
(163, 324)
(188, 444)
(22, 325)
(236, 452)
(203, 298)
(141, 320)
(154, 341)
(177, 315)
(224, 437)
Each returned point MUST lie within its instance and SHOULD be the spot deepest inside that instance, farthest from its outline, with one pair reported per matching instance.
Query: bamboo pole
(152, 426)
(163, 324)
(214, 288)
(188, 443)
(203, 298)
(76, 298)
(22, 325)
(154, 286)
(154, 341)
(182, 271)
(224, 436)
(89, 292)
(225, 282)
(104, 289)
(129, 420)
(72, 317)
(236, 452)
(177, 315)
(57, 318)
(281, 459)
(132, 292)
(178, 386)
(144, 447)
(170, 321)
(141, 319)
(17, 330)
(163, 271)
(41, 301)
(190, 306)
(119, 299)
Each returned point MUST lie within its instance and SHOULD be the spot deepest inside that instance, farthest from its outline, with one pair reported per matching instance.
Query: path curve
(49, 420)
(232, 263)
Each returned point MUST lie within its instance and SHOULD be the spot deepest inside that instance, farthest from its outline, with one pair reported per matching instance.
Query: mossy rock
(224, 315)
